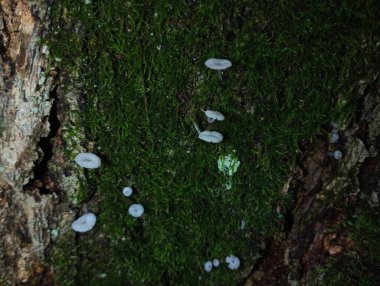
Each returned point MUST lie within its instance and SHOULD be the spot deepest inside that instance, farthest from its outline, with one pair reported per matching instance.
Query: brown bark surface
(25, 106)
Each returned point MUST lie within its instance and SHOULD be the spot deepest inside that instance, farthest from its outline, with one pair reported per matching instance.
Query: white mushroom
(136, 210)
(216, 262)
(207, 266)
(337, 154)
(84, 223)
(213, 115)
(88, 160)
(209, 136)
(127, 191)
(233, 262)
(218, 65)
(334, 138)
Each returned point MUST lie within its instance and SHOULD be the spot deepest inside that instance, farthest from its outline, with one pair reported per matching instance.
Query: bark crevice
(42, 178)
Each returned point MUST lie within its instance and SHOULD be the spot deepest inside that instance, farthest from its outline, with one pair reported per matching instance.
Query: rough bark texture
(319, 185)
(25, 105)
(39, 117)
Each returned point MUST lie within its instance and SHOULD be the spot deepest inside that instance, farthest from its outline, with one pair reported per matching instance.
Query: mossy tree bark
(326, 191)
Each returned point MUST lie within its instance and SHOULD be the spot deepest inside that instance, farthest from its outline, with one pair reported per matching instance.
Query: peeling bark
(25, 88)
(25, 105)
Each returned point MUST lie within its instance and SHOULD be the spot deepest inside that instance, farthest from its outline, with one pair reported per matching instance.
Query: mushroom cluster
(135, 210)
(208, 265)
(233, 263)
(87, 221)
(228, 167)
(212, 115)
(334, 136)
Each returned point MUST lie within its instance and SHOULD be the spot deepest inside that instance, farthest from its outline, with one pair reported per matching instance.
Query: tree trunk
(33, 113)
(25, 111)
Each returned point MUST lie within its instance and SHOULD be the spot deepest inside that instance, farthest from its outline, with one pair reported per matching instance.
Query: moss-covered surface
(144, 82)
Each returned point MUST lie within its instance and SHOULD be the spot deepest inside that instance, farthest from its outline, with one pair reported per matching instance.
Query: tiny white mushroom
(216, 262)
(88, 160)
(233, 262)
(85, 223)
(127, 191)
(375, 198)
(337, 154)
(213, 115)
(334, 138)
(136, 210)
(209, 136)
(207, 266)
(218, 65)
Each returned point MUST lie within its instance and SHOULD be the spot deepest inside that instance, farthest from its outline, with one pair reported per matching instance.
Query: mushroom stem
(337, 154)
(210, 120)
(220, 74)
(197, 128)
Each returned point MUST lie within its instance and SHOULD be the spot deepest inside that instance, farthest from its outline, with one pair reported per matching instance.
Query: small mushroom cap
(84, 223)
(218, 64)
(334, 131)
(338, 154)
(214, 115)
(216, 262)
(88, 160)
(136, 210)
(233, 262)
(211, 136)
(127, 191)
(207, 266)
(334, 138)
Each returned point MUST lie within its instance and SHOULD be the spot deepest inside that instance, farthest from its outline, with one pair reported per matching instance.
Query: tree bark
(25, 107)
(321, 187)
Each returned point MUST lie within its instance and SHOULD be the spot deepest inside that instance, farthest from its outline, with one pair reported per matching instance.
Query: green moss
(348, 269)
(144, 80)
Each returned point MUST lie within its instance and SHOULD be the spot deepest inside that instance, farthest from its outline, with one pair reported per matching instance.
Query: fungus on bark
(218, 65)
(136, 210)
(88, 160)
(85, 223)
